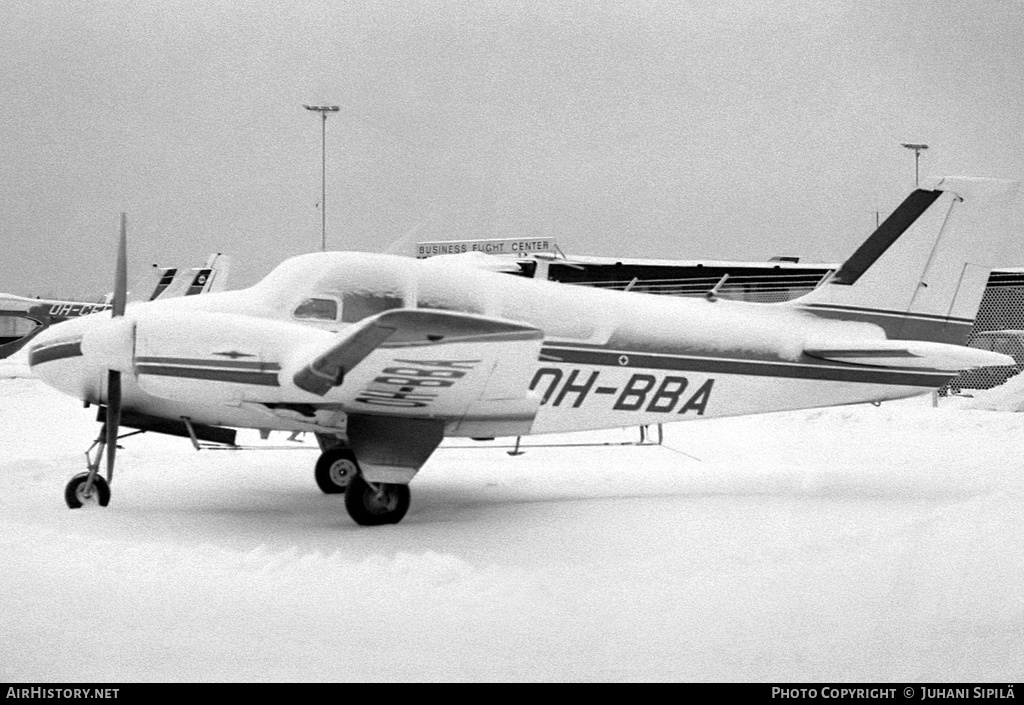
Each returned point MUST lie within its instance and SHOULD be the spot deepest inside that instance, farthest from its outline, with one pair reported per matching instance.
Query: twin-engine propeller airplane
(382, 356)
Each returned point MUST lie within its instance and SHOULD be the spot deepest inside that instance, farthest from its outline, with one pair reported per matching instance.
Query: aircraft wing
(404, 331)
(430, 363)
(907, 354)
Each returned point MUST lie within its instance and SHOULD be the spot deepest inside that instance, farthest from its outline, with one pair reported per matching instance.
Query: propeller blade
(121, 274)
(113, 419)
(113, 425)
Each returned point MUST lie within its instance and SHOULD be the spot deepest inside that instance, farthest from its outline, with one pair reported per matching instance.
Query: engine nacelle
(110, 344)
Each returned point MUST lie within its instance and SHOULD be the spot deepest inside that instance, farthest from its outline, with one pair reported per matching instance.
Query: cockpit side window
(356, 307)
(317, 309)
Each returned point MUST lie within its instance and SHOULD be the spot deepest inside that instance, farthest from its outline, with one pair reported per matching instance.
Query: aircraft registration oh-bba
(382, 356)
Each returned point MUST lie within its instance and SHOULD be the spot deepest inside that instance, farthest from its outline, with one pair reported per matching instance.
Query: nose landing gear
(90, 488)
(81, 493)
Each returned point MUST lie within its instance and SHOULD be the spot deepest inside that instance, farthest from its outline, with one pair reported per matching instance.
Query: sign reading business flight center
(517, 246)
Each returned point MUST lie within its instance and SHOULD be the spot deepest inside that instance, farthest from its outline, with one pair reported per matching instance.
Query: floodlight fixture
(918, 148)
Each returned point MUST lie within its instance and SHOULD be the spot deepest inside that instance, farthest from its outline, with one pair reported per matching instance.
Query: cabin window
(317, 310)
(356, 307)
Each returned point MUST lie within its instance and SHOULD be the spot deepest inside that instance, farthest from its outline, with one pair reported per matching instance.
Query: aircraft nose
(55, 357)
(56, 342)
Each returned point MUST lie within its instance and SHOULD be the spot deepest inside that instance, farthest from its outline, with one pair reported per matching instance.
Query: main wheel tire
(370, 507)
(75, 496)
(335, 470)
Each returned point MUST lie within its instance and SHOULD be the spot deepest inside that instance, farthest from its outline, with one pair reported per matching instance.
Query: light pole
(323, 110)
(918, 148)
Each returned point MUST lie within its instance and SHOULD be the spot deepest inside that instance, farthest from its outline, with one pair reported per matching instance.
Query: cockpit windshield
(317, 309)
(358, 306)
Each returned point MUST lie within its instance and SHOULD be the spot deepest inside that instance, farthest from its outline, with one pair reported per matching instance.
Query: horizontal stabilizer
(908, 354)
(404, 328)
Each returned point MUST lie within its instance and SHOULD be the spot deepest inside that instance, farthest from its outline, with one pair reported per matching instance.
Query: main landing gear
(376, 503)
(368, 503)
(335, 470)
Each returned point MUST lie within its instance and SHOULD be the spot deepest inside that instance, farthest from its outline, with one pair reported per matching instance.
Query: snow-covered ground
(854, 544)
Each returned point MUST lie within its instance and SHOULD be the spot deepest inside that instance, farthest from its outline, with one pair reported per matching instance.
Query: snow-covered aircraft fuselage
(383, 356)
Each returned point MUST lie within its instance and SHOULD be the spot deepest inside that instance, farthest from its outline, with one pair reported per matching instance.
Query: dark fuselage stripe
(55, 351)
(882, 312)
(265, 379)
(202, 362)
(265, 374)
(839, 372)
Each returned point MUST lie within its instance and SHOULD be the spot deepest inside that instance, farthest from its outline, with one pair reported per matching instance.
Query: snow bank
(15, 366)
(1008, 396)
(852, 544)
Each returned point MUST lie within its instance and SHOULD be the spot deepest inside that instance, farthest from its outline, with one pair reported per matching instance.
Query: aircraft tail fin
(212, 277)
(921, 275)
(164, 276)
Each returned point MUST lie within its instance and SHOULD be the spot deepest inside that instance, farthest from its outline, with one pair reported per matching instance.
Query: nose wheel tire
(76, 496)
(376, 504)
(335, 470)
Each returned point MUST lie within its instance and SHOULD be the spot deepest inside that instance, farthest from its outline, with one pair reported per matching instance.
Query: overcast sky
(720, 130)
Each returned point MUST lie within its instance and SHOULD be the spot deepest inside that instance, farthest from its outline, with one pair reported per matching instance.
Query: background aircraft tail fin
(173, 281)
(921, 275)
(164, 275)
